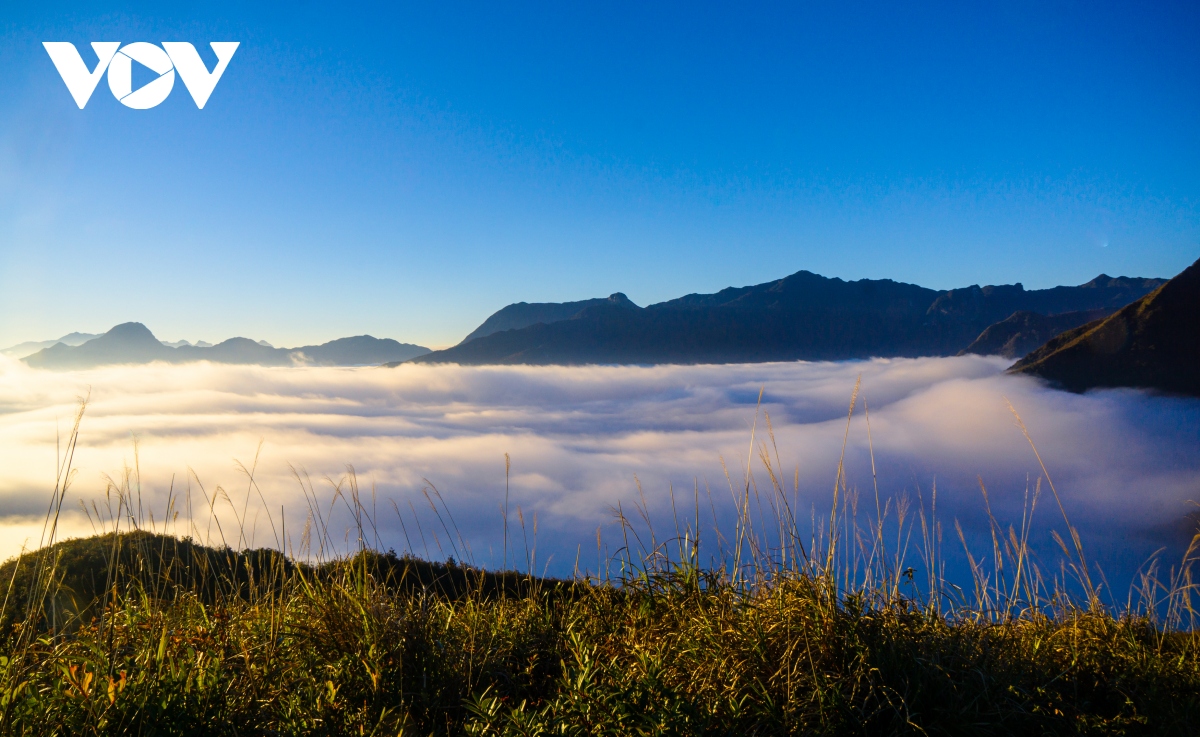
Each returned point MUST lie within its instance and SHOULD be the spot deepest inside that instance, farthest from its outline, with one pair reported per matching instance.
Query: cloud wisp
(582, 439)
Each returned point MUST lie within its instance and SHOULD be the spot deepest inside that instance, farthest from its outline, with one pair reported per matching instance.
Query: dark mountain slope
(1153, 343)
(802, 316)
(806, 290)
(1021, 332)
(995, 303)
(133, 343)
(524, 314)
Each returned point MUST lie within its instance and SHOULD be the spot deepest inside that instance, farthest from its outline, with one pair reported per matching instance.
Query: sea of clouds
(1126, 464)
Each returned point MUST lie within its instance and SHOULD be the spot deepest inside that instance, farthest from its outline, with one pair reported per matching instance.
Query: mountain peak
(130, 332)
(129, 342)
(523, 314)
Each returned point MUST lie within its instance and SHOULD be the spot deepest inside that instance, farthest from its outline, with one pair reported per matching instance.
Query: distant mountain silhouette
(132, 342)
(360, 350)
(1021, 332)
(30, 347)
(524, 314)
(129, 342)
(1153, 343)
(802, 316)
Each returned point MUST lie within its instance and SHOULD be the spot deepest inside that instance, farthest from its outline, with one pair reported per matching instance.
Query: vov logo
(118, 61)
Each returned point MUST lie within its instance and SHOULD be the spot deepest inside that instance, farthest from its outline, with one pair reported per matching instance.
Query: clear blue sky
(405, 170)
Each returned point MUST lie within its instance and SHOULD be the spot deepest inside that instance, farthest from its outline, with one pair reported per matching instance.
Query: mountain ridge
(523, 314)
(133, 343)
(803, 316)
(1023, 331)
(1152, 343)
(29, 347)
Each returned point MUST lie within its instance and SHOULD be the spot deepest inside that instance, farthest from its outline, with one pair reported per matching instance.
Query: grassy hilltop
(144, 634)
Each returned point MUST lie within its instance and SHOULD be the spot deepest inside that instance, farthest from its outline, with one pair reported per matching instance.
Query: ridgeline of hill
(164, 567)
(30, 347)
(524, 314)
(802, 316)
(1153, 343)
(133, 343)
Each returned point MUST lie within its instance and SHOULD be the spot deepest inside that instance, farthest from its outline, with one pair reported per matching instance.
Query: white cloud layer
(1125, 463)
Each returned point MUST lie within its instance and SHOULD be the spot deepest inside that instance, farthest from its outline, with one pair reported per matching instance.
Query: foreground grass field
(137, 633)
(191, 640)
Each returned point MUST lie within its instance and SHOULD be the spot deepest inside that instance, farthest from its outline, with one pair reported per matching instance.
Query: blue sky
(404, 170)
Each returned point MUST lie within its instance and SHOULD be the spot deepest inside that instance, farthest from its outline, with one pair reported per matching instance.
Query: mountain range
(800, 317)
(20, 350)
(132, 342)
(1153, 343)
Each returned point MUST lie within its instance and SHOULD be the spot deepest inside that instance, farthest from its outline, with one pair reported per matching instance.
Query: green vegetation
(137, 633)
(373, 644)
